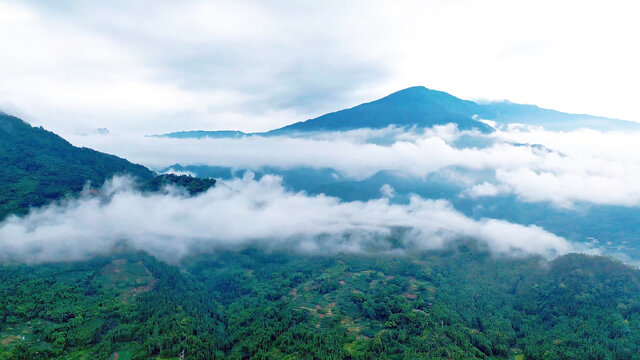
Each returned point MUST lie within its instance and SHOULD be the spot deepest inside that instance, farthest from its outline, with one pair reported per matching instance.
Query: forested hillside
(193, 185)
(460, 303)
(39, 166)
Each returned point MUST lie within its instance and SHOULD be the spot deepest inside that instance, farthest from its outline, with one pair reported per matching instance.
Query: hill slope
(505, 112)
(39, 166)
(458, 303)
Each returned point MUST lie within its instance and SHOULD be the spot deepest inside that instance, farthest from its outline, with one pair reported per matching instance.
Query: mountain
(39, 166)
(199, 134)
(415, 106)
(506, 112)
(423, 108)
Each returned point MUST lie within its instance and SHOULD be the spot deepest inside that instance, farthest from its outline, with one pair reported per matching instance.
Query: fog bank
(171, 225)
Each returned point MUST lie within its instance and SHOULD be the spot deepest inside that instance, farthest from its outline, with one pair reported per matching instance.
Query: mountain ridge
(423, 108)
(416, 105)
(40, 166)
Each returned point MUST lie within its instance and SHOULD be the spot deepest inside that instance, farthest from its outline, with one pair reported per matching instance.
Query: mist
(535, 164)
(241, 212)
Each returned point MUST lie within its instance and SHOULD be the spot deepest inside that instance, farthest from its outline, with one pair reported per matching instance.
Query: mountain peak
(413, 90)
(418, 89)
(429, 96)
(414, 106)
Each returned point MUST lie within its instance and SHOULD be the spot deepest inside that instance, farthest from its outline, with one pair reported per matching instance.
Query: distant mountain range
(253, 302)
(423, 108)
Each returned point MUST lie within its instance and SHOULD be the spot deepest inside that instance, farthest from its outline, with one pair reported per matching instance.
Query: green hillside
(455, 304)
(39, 166)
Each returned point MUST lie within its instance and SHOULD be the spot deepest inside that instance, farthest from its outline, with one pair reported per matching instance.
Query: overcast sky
(152, 66)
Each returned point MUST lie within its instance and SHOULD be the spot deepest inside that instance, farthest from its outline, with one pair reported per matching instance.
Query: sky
(149, 67)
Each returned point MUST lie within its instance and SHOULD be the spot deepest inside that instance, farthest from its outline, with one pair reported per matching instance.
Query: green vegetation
(192, 185)
(39, 167)
(455, 304)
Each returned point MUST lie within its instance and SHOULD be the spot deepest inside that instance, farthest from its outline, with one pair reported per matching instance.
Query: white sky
(151, 66)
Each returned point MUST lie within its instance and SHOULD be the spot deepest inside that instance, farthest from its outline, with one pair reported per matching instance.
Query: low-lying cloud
(536, 165)
(171, 225)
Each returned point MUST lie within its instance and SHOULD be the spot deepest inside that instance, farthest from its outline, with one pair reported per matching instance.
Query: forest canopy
(459, 303)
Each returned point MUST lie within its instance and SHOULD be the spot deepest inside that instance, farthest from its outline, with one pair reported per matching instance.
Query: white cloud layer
(246, 211)
(349, 153)
(561, 167)
(483, 189)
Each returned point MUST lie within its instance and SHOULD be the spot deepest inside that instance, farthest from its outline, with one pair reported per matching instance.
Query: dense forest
(459, 303)
(192, 185)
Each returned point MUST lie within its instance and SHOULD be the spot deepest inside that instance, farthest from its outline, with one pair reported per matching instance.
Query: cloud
(536, 165)
(578, 166)
(387, 191)
(139, 67)
(483, 189)
(567, 188)
(349, 153)
(159, 66)
(179, 172)
(245, 211)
